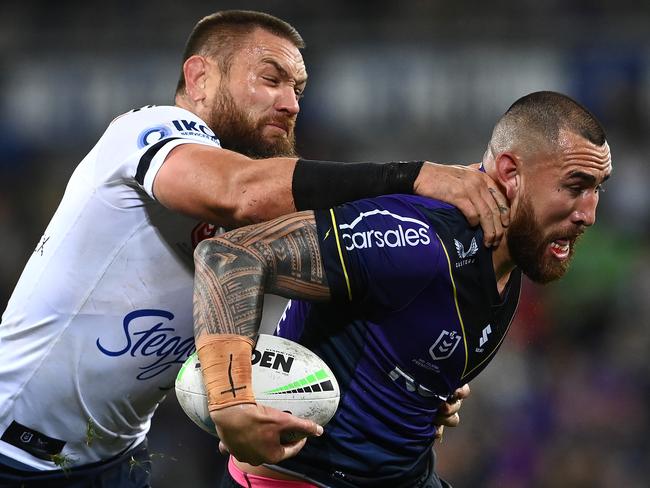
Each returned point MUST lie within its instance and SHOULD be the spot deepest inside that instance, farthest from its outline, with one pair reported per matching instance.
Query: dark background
(566, 402)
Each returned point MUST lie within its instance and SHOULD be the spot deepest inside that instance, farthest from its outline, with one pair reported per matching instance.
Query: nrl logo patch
(445, 345)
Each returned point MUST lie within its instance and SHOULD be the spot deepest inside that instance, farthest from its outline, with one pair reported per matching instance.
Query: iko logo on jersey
(183, 127)
(141, 338)
(403, 232)
(153, 134)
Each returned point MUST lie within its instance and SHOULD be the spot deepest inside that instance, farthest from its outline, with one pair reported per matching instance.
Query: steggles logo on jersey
(150, 341)
(406, 232)
(464, 256)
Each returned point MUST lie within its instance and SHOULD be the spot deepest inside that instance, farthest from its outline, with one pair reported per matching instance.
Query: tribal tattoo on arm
(234, 270)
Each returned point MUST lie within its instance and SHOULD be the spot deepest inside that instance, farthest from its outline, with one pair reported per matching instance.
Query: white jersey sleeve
(136, 144)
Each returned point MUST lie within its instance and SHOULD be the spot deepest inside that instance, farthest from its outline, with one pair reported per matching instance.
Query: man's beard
(528, 245)
(237, 132)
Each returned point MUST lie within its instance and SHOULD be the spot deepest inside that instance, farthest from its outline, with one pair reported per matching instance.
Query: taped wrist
(227, 371)
(324, 184)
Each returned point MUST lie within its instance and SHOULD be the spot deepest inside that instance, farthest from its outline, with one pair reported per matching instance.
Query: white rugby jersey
(101, 318)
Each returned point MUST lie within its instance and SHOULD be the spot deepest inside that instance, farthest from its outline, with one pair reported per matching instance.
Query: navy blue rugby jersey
(415, 314)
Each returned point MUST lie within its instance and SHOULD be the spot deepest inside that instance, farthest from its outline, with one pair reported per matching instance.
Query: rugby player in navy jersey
(404, 304)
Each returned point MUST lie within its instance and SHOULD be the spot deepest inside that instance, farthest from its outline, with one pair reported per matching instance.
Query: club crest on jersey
(445, 345)
(203, 231)
(465, 256)
(403, 232)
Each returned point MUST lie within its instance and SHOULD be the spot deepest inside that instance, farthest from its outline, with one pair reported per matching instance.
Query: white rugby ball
(286, 376)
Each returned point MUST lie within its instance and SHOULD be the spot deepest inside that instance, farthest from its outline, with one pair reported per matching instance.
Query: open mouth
(560, 248)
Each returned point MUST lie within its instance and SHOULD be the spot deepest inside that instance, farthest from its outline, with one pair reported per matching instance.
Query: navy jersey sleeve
(379, 252)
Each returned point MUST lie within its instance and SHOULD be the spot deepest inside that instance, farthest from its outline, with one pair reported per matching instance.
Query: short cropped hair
(541, 116)
(219, 35)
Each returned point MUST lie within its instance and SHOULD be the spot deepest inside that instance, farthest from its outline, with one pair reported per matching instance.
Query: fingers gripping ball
(285, 376)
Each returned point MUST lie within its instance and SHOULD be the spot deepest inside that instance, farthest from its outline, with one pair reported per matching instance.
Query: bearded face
(543, 255)
(239, 131)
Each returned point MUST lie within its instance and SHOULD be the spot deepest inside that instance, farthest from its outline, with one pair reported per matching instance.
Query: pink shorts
(256, 481)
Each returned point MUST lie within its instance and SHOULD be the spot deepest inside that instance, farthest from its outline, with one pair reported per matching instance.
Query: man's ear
(508, 173)
(195, 70)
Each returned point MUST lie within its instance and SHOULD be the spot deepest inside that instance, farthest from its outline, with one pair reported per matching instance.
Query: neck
(183, 102)
(503, 264)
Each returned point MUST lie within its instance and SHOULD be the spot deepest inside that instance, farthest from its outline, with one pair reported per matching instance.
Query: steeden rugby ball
(286, 376)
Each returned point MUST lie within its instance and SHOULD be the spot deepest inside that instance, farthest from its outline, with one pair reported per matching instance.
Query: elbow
(236, 208)
(222, 255)
(245, 212)
(257, 192)
(209, 252)
(203, 250)
(251, 206)
(253, 200)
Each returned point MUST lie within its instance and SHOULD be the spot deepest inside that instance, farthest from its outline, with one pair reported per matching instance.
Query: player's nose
(584, 212)
(288, 101)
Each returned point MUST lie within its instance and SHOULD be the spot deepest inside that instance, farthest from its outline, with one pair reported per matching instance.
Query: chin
(547, 273)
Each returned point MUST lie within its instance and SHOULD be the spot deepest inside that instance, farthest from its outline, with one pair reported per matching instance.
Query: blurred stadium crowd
(566, 403)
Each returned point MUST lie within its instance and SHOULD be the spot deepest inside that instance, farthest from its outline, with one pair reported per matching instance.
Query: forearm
(323, 184)
(233, 271)
(228, 289)
(229, 189)
(313, 185)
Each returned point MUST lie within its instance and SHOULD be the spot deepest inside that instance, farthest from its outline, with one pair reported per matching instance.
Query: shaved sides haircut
(219, 35)
(536, 120)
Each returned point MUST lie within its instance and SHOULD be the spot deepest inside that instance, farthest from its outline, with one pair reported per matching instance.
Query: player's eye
(575, 190)
(271, 79)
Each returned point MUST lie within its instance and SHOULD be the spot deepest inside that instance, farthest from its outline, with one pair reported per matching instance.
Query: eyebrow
(283, 72)
(586, 178)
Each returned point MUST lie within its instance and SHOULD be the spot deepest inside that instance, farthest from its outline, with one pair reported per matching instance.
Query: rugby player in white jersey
(101, 318)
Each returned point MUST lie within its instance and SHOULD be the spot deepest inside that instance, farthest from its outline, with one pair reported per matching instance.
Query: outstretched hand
(473, 192)
(253, 433)
(448, 412)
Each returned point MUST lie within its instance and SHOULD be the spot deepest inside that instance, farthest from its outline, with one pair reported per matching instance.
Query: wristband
(227, 371)
(324, 184)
